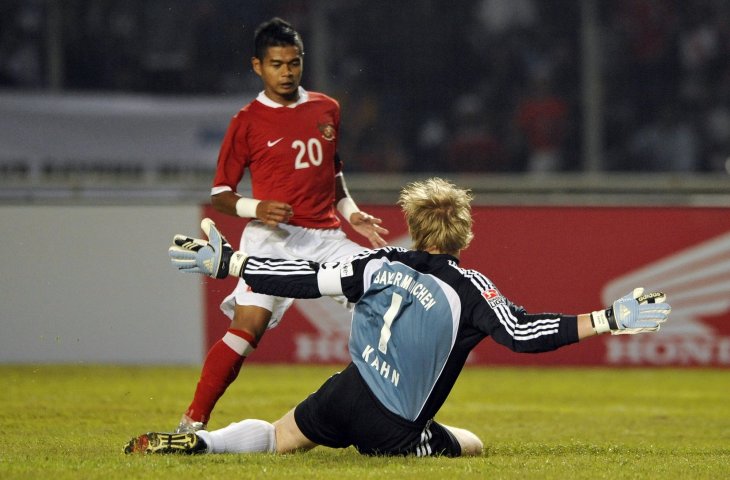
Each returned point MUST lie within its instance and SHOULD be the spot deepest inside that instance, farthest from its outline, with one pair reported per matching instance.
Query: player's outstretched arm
(637, 312)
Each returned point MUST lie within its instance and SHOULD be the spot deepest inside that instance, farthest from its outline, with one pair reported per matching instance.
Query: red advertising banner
(552, 259)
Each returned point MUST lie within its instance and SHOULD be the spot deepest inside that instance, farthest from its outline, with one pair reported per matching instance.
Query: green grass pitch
(70, 422)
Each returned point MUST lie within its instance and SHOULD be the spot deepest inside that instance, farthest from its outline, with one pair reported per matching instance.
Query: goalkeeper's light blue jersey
(416, 318)
(403, 330)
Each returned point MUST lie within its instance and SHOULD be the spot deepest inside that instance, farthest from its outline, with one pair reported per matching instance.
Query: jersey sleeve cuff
(220, 189)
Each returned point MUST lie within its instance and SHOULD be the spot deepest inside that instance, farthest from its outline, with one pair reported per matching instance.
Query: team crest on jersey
(493, 297)
(328, 131)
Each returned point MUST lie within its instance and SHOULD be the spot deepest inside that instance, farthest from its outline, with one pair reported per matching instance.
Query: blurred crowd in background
(425, 85)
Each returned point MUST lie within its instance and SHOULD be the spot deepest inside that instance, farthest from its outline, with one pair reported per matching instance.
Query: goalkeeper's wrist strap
(236, 263)
(246, 207)
(346, 206)
(603, 321)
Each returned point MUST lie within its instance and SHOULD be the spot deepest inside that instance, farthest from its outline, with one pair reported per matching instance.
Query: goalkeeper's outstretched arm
(303, 278)
(217, 259)
(636, 312)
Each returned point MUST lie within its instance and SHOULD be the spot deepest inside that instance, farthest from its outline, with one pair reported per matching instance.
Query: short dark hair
(275, 33)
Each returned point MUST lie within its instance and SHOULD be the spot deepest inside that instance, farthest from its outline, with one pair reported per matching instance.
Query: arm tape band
(237, 261)
(346, 206)
(328, 280)
(246, 207)
(600, 322)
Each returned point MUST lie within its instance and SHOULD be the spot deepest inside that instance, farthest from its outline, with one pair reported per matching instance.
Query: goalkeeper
(417, 316)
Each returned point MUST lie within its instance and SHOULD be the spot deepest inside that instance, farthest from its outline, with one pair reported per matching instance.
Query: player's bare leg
(288, 436)
(471, 445)
(223, 362)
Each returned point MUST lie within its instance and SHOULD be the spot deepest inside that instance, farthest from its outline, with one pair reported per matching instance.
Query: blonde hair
(438, 214)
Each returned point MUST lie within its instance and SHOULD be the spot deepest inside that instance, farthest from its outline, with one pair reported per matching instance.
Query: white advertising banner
(46, 131)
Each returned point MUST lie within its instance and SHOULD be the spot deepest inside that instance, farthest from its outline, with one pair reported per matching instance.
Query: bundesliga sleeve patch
(493, 297)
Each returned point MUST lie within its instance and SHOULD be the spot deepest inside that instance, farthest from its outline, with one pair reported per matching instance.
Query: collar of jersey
(303, 97)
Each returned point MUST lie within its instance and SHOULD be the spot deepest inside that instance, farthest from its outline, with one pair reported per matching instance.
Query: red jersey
(290, 153)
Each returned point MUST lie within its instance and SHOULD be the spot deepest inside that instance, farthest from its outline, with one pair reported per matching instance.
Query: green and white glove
(637, 312)
(213, 257)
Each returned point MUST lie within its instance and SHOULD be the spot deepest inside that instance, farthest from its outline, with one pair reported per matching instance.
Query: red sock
(220, 369)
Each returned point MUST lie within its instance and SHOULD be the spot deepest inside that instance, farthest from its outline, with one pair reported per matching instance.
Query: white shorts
(287, 242)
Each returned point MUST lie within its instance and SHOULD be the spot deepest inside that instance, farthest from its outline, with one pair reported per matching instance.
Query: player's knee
(252, 320)
(288, 436)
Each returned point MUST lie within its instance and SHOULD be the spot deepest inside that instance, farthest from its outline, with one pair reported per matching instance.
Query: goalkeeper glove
(214, 257)
(636, 312)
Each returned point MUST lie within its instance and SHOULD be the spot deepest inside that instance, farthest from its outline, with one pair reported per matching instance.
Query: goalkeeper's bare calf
(417, 316)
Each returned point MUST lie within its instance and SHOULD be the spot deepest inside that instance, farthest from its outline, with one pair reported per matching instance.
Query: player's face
(281, 71)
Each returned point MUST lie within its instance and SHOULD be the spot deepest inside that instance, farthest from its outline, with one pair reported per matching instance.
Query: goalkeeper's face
(281, 71)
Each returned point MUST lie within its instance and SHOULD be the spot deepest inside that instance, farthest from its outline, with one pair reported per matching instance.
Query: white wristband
(246, 207)
(346, 206)
(600, 322)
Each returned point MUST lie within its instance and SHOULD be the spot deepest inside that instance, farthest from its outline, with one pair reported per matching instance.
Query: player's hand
(214, 257)
(369, 227)
(273, 213)
(637, 312)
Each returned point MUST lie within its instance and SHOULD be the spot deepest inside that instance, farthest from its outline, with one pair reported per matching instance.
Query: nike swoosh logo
(271, 143)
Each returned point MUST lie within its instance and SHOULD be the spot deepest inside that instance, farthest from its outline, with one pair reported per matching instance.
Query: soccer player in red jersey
(287, 139)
